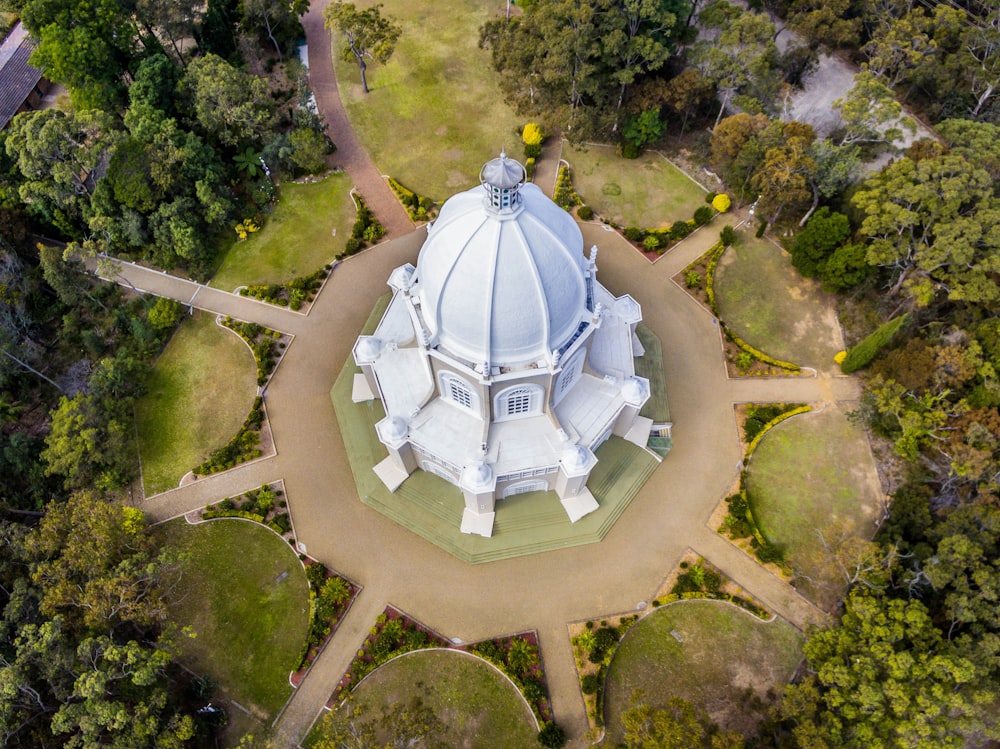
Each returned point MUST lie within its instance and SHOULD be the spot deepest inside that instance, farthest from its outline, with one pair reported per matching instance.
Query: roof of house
(17, 77)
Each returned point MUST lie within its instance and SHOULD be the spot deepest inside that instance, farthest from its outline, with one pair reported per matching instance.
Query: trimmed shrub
(860, 356)
(585, 212)
(721, 202)
(727, 236)
(631, 150)
(703, 215)
(634, 234)
(692, 279)
(590, 683)
(680, 229)
(552, 736)
(533, 151)
(532, 134)
(529, 168)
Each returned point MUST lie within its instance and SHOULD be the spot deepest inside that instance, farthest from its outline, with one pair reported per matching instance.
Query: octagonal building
(501, 361)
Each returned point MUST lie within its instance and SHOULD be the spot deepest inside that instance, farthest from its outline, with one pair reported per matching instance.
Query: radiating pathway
(542, 592)
(349, 155)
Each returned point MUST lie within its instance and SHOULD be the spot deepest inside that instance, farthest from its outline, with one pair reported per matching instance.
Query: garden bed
(395, 633)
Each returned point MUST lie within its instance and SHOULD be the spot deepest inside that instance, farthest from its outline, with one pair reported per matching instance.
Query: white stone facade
(501, 361)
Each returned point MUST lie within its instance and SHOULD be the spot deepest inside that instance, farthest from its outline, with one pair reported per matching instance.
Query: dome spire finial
(502, 178)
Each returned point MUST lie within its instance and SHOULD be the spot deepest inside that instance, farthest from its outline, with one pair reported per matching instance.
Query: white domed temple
(501, 362)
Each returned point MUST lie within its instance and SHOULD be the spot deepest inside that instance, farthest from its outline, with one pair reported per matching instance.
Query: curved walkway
(542, 592)
(349, 155)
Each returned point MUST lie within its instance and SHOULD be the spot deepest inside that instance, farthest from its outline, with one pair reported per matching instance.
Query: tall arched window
(458, 391)
(518, 401)
(570, 374)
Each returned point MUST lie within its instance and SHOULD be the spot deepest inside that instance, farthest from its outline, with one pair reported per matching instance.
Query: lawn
(765, 301)
(831, 491)
(307, 229)
(244, 596)
(648, 192)
(435, 113)
(178, 425)
(475, 704)
(722, 652)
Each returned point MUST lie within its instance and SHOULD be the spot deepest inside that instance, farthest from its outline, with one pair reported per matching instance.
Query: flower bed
(265, 505)
(293, 294)
(395, 633)
(418, 207)
(330, 598)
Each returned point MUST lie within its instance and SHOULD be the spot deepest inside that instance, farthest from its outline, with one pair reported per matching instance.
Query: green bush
(634, 234)
(727, 236)
(532, 150)
(692, 279)
(565, 196)
(590, 683)
(529, 168)
(860, 355)
(552, 736)
(585, 212)
(631, 150)
(680, 229)
(703, 215)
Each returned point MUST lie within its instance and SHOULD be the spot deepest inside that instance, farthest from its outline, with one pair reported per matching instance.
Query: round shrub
(721, 202)
(552, 736)
(710, 196)
(680, 229)
(532, 150)
(727, 236)
(703, 215)
(532, 134)
(585, 212)
(630, 150)
(591, 683)
(634, 234)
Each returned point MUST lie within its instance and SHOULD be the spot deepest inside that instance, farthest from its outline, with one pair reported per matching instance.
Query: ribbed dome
(503, 287)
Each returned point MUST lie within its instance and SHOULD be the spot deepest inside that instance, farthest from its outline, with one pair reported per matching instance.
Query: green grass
(476, 705)
(248, 627)
(296, 239)
(435, 113)
(724, 651)
(765, 301)
(829, 490)
(648, 192)
(178, 424)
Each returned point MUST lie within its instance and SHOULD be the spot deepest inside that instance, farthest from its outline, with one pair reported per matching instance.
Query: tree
(884, 676)
(89, 46)
(837, 168)
(643, 129)
(935, 224)
(687, 93)
(816, 242)
(824, 22)
(743, 54)
(677, 725)
(232, 107)
(279, 19)
(59, 154)
(871, 113)
(367, 34)
(85, 447)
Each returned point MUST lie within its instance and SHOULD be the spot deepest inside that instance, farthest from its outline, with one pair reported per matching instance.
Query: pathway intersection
(542, 592)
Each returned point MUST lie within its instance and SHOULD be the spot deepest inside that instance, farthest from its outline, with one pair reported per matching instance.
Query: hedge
(212, 514)
(860, 355)
(770, 425)
(417, 207)
(757, 353)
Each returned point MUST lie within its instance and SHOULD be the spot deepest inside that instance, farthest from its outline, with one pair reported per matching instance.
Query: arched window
(458, 391)
(518, 401)
(570, 374)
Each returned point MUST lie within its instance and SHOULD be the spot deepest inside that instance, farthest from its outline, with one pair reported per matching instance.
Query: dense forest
(161, 153)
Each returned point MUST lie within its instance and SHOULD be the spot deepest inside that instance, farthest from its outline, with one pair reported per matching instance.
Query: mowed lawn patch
(306, 230)
(648, 192)
(435, 113)
(198, 395)
(813, 475)
(765, 301)
(476, 705)
(244, 595)
(719, 651)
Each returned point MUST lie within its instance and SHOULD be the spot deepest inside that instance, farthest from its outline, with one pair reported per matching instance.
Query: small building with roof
(21, 85)
(501, 361)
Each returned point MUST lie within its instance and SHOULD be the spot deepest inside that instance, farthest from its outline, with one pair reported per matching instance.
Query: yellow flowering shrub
(532, 134)
(721, 202)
